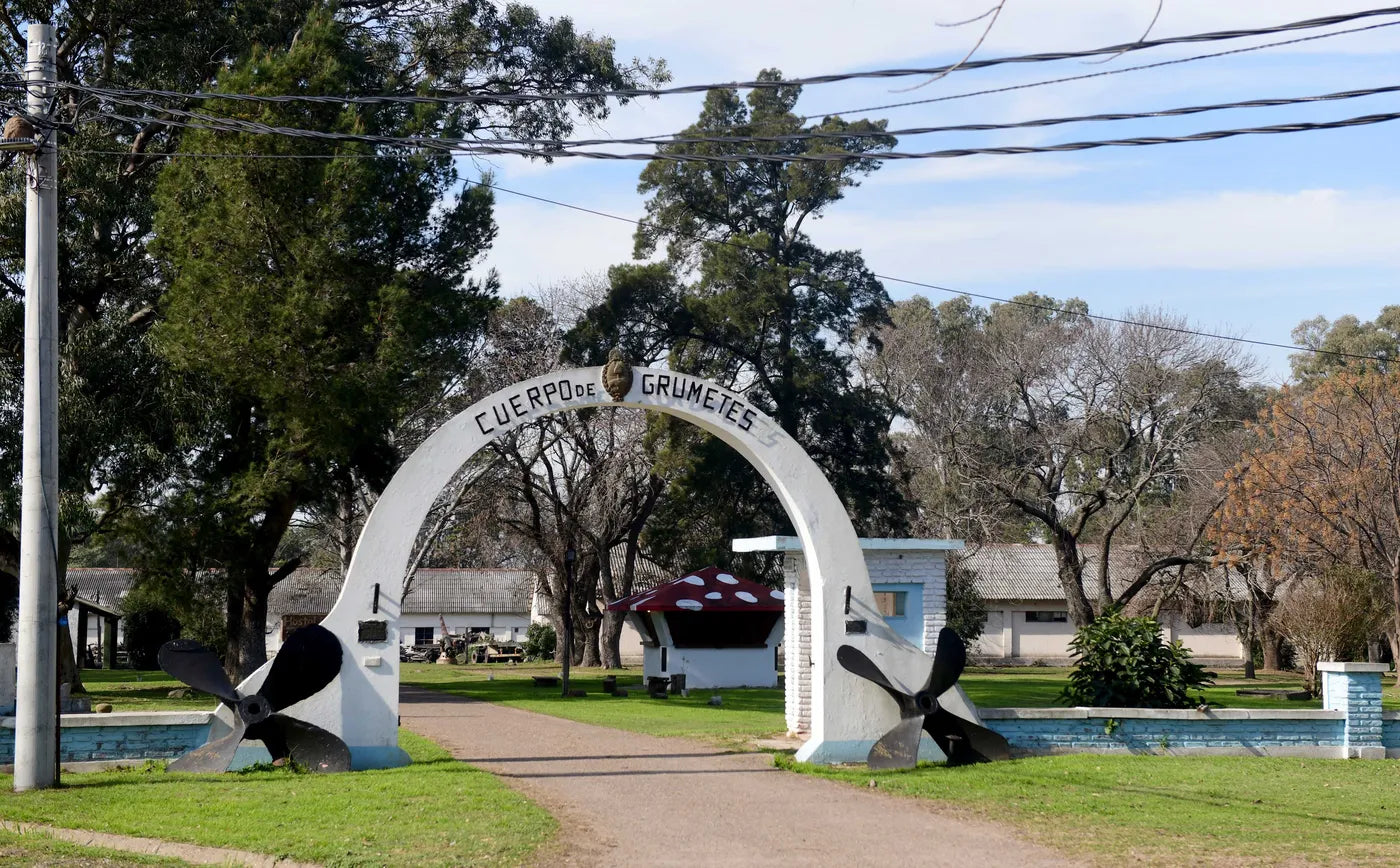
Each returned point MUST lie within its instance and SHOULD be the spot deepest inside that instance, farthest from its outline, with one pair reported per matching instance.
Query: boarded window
(1047, 617)
(891, 603)
(293, 623)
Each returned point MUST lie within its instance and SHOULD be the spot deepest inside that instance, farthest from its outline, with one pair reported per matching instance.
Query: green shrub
(967, 610)
(539, 642)
(1123, 663)
(147, 626)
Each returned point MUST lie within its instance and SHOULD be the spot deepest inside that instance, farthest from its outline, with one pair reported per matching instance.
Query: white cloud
(970, 169)
(540, 244)
(1232, 230)
(737, 37)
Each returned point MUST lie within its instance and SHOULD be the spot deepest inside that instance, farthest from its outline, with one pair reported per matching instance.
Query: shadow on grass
(1023, 779)
(516, 689)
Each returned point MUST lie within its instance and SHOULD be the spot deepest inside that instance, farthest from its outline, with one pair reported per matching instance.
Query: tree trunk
(251, 644)
(249, 586)
(612, 639)
(68, 671)
(233, 627)
(1071, 573)
(592, 653)
(1272, 642)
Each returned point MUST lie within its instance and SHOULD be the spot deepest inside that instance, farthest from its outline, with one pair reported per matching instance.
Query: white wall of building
(1010, 635)
(711, 667)
(502, 627)
(888, 562)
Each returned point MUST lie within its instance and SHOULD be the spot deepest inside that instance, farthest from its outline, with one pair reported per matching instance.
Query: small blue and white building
(910, 580)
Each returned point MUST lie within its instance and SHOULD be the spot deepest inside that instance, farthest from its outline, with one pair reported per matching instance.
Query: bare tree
(1071, 425)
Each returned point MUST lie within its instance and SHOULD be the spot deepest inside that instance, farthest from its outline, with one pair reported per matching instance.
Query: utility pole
(36, 726)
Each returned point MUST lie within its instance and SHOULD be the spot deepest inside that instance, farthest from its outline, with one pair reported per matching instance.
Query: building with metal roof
(1028, 618)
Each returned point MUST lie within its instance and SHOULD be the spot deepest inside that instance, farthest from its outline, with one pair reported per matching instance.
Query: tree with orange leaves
(1323, 485)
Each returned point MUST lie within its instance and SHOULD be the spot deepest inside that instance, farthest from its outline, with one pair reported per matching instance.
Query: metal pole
(568, 643)
(36, 729)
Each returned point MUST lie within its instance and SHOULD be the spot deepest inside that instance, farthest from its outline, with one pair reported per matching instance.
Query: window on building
(422, 635)
(1047, 617)
(891, 603)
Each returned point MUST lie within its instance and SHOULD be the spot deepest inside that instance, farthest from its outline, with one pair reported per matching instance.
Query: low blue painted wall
(132, 736)
(1260, 732)
(1351, 724)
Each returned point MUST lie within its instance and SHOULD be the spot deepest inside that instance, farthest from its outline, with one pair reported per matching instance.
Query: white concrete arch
(848, 714)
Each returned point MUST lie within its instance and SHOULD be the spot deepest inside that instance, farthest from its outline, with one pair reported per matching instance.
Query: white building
(1028, 619)
(495, 602)
(909, 577)
(715, 628)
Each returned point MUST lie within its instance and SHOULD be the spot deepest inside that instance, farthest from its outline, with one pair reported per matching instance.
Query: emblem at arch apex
(617, 374)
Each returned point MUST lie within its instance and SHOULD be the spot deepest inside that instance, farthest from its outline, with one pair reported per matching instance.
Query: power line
(628, 93)
(1100, 74)
(556, 144)
(885, 277)
(480, 148)
(955, 128)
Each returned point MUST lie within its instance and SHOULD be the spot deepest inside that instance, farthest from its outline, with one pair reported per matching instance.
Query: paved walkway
(629, 799)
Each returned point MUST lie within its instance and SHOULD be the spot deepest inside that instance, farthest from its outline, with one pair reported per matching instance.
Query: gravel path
(629, 799)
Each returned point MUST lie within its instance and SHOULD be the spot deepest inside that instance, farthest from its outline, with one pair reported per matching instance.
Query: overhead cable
(1088, 75)
(886, 277)
(627, 93)
(808, 135)
(486, 148)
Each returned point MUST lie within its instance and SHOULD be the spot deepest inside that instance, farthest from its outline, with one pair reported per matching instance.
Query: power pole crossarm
(36, 726)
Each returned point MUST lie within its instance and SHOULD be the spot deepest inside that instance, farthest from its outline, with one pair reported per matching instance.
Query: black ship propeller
(306, 663)
(963, 741)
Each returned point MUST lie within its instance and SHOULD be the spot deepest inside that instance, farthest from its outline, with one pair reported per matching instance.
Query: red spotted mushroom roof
(707, 590)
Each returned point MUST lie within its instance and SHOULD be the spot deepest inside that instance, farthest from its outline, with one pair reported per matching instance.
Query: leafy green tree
(1122, 662)
(746, 298)
(1379, 338)
(539, 642)
(147, 625)
(117, 401)
(313, 301)
(967, 609)
(111, 395)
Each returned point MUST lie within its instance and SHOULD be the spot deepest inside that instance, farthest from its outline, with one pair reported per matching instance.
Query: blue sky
(1246, 236)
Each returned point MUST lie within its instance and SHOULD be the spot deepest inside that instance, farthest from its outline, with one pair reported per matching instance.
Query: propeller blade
(948, 662)
(307, 662)
(214, 756)
(898, 748)
(854, 661)
(963, 741)
(188, 661)
(307, 744)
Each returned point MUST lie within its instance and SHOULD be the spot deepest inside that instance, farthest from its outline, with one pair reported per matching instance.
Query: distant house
(97, 624)
(494, 602)
(1028, 618)
(713, 627)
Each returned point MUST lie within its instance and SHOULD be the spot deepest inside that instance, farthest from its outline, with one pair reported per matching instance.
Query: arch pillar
(848, 714)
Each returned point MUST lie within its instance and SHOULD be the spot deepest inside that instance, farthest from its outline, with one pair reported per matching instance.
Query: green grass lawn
(1039, 686)
(436, 811)
(757, 713)
(744, 714)
(36, 848)
(1172, 810)
(140, 690)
